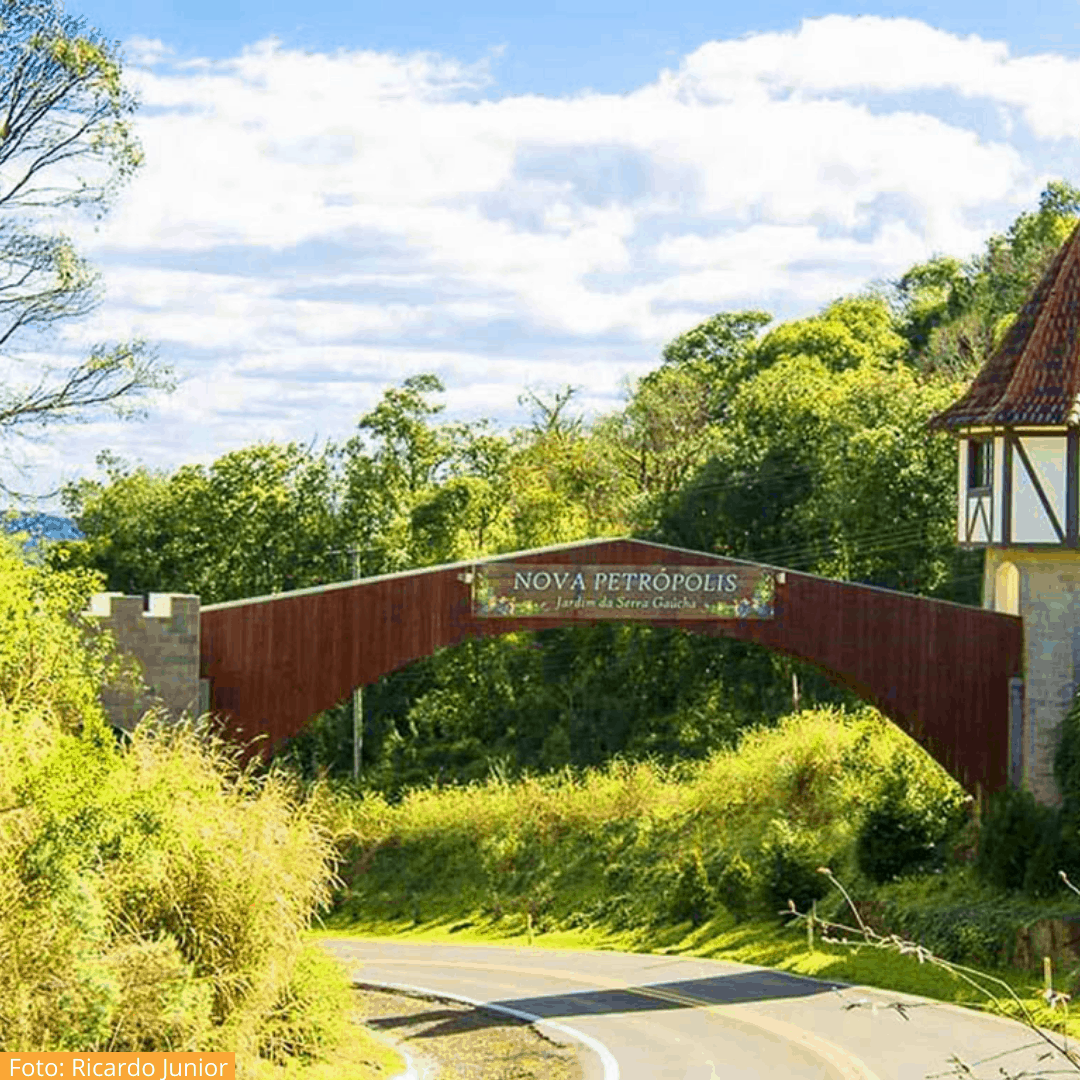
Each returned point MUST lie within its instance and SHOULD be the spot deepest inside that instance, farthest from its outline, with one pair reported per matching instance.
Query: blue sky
(551, 48)
(514, 196)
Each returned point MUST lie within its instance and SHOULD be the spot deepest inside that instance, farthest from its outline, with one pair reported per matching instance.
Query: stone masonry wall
(165, 641)
(1050, 609)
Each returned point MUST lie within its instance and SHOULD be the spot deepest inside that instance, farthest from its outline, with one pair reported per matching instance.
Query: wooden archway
(939, 670)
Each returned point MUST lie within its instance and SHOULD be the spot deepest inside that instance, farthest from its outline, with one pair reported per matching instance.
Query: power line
(859, 544)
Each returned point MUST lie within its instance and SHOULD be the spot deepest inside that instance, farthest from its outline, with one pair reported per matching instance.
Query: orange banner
(151, 1066)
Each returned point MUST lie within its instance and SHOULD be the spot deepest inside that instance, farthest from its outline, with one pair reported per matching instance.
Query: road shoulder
(454, 1041)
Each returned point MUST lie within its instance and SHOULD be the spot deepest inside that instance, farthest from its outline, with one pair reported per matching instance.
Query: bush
(791, 868)
(1041, 880)
(734, 886)
(156, 892)
(53, 657)
(1023, 845)
(1012, 829)
(900, 836)
(692, 895)
(309, 1016)
(153, 894)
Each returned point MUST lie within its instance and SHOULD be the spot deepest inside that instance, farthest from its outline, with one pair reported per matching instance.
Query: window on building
(980, 463)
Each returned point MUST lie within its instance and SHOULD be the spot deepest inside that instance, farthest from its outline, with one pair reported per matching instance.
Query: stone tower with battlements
(163, 635)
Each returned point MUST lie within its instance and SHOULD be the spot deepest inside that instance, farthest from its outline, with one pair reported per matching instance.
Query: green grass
(361, 1056)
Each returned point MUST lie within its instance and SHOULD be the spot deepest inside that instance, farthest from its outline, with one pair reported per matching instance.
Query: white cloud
(146, 52)
(311, 227)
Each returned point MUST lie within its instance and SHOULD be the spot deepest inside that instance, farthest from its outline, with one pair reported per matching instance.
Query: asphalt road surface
(649, 1017)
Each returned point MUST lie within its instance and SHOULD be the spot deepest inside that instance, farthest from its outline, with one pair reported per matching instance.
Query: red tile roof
(1034, 375)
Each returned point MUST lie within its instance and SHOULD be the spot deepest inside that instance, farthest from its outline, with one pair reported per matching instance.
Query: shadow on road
(651, 997)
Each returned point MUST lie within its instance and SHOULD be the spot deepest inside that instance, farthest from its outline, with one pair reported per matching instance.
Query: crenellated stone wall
(164, 638)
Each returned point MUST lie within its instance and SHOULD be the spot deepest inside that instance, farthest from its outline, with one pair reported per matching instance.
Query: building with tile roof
(1018, 497)
(1034, 376)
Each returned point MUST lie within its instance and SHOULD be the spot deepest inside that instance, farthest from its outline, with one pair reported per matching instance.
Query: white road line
(607, 1059)
(410, 1072)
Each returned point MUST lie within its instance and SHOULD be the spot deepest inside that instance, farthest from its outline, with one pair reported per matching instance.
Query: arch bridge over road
(941, 671)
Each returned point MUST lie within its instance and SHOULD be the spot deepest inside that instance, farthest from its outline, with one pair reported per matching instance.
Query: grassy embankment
(153, 895)
(155, 899)
(696, 862)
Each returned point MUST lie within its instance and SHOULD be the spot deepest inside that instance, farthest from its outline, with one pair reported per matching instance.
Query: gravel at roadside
(453, 1041)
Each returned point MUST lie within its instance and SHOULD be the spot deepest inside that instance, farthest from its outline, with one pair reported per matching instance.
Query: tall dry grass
(152, 894)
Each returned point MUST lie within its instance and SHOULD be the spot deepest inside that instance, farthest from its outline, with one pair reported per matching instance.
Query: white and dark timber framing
(1018, 427)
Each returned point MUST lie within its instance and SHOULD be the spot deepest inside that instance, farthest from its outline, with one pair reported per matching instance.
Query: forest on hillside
(802, 444)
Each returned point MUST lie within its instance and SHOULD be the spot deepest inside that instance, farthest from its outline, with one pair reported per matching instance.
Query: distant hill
(47, 526)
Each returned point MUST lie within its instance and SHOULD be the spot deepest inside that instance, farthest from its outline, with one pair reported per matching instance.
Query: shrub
(155, 892)
(791, 863)
(1012, 829)
(734, 886)
(53, 657)
(692, 895)
(160, 1002)
(1041, 879)
(898, 835)
(309, 1016)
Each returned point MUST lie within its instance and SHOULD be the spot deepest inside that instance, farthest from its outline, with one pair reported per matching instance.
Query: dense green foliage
(1012, 831)
(575, 697)
(905, 832)
(154, 894)
(743, 830)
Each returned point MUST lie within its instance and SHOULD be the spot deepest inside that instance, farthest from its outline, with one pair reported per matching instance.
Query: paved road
(674, 1018)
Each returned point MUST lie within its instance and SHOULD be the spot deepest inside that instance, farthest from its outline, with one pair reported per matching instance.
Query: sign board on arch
(720, 591)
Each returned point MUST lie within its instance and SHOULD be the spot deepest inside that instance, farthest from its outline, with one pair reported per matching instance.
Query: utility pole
(357, 694)
(356, 572)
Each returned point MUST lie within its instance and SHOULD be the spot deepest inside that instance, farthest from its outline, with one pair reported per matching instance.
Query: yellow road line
(846, 1065)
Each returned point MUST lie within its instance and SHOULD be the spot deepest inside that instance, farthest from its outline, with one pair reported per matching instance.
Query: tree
(564, 484)
(954, 314)
(409, 449)
(723, 349)
(392, 462)
(672, 417)
(65, 145)
(849, 332)
(927, 295)
(53, 658)
(663, 435)
(547, 415)
(260, 520)
(468, 514)
(832, 473)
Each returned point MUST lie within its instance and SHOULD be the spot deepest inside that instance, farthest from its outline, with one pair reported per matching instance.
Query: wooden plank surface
(939, 670)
